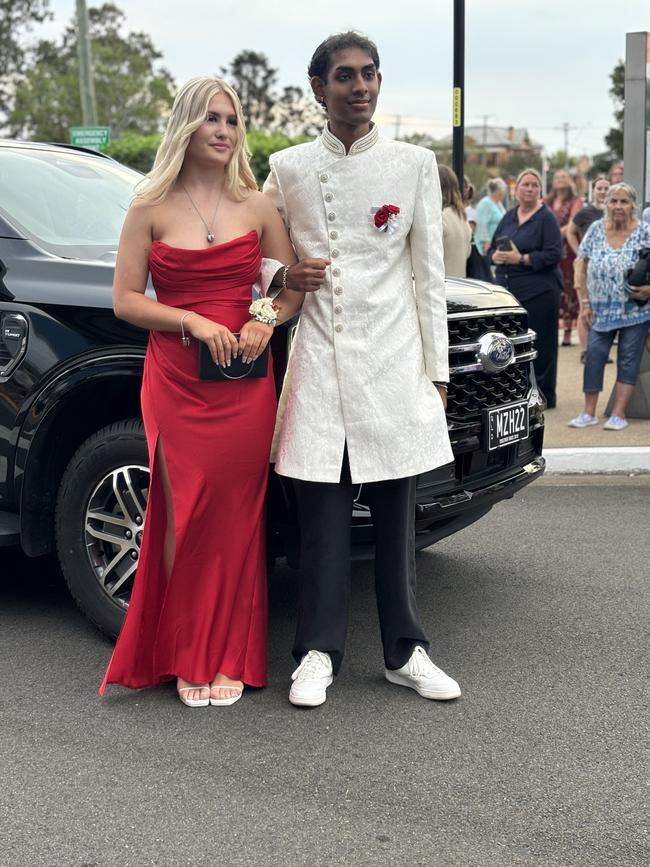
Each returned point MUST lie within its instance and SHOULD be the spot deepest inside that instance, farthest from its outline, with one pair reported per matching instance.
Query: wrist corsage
(264, 310)
(386, 219)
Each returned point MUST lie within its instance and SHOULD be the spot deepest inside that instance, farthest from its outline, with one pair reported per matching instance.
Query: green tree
(614, 138)
(560, 160)
(422, 139)
(288, 112)
(133, 93)
(135, 150)
(295, 115)
(252, 76)
(517, 163)
(16, 17)
(262, 145)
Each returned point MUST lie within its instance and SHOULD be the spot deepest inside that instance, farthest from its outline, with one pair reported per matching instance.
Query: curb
(624, 460)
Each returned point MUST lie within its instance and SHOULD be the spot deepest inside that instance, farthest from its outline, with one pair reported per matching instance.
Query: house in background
(493, 146)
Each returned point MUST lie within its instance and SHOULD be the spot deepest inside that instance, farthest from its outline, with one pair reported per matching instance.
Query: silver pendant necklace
(210, 235)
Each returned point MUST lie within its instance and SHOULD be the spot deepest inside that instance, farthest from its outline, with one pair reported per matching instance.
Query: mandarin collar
(332, 143)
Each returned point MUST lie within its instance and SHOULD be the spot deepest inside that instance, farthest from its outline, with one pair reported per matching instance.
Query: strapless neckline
(211, 247)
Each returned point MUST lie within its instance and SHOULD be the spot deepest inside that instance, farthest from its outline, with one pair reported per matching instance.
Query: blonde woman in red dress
(565, 203)
(200, 227)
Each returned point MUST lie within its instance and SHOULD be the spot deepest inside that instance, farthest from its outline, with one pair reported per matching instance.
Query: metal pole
(458, 147)
(86, 84)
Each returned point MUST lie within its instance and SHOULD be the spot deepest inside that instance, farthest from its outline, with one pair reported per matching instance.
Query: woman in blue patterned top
(608, 250)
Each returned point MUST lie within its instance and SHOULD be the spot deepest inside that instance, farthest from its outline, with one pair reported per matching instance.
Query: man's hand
(307, 275)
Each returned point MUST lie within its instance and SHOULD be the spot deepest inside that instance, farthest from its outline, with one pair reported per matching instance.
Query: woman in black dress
(526, 249)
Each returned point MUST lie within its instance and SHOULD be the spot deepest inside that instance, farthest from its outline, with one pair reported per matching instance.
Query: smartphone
(503, 243)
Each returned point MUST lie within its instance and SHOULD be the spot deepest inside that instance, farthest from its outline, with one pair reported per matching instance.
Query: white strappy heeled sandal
(193, 702)
(224, 702)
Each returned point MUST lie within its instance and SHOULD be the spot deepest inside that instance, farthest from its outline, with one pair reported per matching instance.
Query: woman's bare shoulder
(259, 204)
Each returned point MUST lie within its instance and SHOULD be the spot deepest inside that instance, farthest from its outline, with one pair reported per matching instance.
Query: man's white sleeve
(429, 271)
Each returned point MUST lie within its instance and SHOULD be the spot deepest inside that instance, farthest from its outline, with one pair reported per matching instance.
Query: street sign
(96, 137)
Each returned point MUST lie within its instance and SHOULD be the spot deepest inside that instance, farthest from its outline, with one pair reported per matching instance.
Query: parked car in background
(73, 458)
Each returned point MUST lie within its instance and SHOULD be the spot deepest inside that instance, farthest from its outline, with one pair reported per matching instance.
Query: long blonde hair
(189, 111)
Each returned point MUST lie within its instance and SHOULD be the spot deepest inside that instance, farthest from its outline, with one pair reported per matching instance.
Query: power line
(566, 129)
(485, 117)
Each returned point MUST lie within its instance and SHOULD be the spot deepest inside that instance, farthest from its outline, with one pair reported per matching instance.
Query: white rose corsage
(264, 310)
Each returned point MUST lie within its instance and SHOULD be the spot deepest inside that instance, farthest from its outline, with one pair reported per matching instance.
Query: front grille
(472, 328)
(473, 389)
(470, 393)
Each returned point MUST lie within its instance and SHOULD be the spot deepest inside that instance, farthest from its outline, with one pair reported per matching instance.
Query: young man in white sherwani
(365, 392)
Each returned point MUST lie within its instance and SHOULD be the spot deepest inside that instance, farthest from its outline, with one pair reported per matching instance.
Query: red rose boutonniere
(386, 219)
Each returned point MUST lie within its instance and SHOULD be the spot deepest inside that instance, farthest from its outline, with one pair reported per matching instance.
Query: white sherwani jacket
(373, 339)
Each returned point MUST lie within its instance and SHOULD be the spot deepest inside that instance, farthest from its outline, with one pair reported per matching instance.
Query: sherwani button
(335, 253)
(324, 178)
(338, 328)
(336, 272)
(338, 291)
(334, 235)
(331, 216)
(328, 197)
(338, 309)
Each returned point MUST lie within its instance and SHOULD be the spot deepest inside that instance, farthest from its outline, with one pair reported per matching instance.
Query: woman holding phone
(526, 249)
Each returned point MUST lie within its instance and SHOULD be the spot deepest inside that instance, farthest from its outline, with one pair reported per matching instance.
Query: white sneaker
(424, 677)
(615, 422)
(583, 420)
(311, 679)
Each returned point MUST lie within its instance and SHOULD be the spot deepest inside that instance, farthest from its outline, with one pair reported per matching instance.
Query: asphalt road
(540, 611)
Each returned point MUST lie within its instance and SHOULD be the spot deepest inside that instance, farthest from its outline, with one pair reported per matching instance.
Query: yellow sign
(457, 111)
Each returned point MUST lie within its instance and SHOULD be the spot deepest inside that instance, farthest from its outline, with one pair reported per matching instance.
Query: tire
(99, 520)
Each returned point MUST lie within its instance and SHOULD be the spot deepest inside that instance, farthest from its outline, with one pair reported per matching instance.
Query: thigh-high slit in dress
(209, 614)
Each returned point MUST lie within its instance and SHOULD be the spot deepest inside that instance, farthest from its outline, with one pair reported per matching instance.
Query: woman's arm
(276, 245)
(580, 280)
(572, 237)
(130, 283)
(491, 250)
(550, 250)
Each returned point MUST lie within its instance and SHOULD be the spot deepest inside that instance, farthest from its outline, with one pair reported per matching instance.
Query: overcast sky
(529, 63)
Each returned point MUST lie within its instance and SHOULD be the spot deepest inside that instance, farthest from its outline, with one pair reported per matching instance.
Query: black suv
(73, 459)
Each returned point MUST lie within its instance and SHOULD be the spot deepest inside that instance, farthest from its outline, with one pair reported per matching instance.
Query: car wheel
(100, 518)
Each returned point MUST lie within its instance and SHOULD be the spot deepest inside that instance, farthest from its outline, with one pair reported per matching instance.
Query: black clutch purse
(237, 370)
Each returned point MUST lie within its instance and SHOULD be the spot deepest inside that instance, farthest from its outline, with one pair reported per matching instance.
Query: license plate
(507, 425)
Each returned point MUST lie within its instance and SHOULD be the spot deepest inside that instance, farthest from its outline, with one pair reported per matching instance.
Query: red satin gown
(210, 614)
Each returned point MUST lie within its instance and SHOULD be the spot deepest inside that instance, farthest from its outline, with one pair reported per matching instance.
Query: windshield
(71, 204)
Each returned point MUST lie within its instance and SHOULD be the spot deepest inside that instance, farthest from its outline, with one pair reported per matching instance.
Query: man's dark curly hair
(320, 63)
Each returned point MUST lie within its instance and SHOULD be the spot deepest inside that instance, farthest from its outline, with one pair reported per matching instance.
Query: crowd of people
(568, 262)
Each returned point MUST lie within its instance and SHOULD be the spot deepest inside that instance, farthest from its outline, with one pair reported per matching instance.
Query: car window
(71, 204)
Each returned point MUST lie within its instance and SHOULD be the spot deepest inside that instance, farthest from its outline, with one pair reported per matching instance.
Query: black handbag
(210, 370)
(639, 275)
(478, 267)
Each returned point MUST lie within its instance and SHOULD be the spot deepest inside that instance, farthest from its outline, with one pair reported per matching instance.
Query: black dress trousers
(325, 519)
